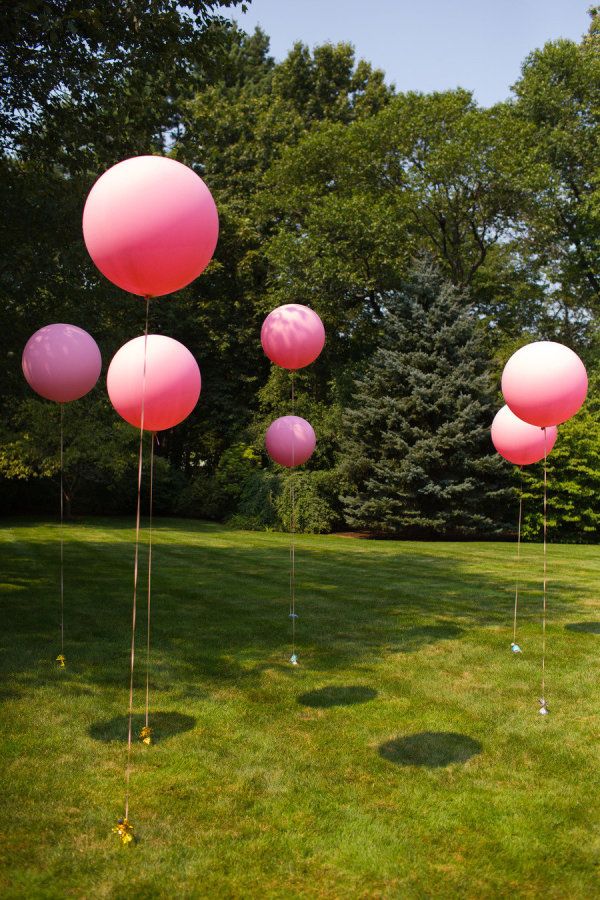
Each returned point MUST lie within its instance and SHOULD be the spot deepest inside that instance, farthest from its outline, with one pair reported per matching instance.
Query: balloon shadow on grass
(585, 627)
(332, 695)
(433, 749)
(408, 640)
(164, 725)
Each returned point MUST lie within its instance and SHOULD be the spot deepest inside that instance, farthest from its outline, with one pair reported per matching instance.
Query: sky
(426, 45)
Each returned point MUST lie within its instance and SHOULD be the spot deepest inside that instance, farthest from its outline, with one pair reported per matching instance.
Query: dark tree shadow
(337, 696)
(410, 639)
(430, 748)
(217, 636)
(164, 725)
(586, 627)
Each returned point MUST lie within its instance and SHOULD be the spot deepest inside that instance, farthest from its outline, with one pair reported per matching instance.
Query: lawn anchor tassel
(124, 829)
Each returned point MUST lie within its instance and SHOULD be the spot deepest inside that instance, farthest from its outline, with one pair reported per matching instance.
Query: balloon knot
(61, 660)
(146, 734)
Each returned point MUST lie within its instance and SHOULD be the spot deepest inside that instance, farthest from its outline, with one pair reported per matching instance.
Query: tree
(573, 479)
(416, 437)
(354, 204)
(67, 67)
(558, 96)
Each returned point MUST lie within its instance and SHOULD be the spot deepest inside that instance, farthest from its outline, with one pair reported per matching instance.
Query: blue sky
(426, 45)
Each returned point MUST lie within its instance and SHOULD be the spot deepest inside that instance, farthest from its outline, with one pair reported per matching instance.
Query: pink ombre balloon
(151, 225)
(61, 362)
(544, 383)
(290, 441)
(519, 442)
(292, 336)
(172, 384)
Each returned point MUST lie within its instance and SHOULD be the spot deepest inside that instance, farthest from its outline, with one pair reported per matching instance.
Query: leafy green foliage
(573, 480)
(307, 502)
(558, 95)
(71, 73)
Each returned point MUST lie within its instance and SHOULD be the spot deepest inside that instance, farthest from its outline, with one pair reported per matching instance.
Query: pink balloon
(172, 382)
(292, 336)
(544, 383)
(290, 441)
(61, 362)
(151, 225)
(519, 442)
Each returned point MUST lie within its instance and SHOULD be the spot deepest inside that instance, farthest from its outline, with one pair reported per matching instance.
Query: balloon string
(149, 577)
(545, 572)
(518, 557)
(62, 547)
(293, 531)
(135, 568)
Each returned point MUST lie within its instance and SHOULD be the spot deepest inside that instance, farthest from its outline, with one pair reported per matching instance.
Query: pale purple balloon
(61, 362)
(292, 336)
(544, 383)
(519, 442)
(290, 441)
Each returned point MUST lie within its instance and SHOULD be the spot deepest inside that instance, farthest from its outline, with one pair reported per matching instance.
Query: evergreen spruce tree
(416, 438)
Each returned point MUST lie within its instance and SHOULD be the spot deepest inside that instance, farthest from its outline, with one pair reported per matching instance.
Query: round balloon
(61, 362)
(544, 383)
(290, 441)
(519, 442)
(292, 336)
(171, 387)
(150, 225)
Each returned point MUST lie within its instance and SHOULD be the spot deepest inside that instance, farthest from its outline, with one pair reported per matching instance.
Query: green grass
(405, 756)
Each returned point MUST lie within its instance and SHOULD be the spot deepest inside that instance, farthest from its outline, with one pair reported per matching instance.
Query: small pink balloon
(172, 382)
(292, 336)
(519, 442)
(544, 383)
(150, 225)
(290, 441)
(61, 362)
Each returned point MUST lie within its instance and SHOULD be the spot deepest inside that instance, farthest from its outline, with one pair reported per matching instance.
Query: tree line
(432, 236)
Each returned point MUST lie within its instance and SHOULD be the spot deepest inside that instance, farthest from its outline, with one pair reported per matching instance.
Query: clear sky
(426, 45)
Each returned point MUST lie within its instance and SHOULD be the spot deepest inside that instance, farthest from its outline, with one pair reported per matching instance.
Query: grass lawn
(404, 756)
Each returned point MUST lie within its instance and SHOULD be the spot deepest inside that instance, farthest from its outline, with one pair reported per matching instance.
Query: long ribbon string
(135, 569)
(543, 698)
(518, 557)
(62, 542)
(293, 535)
(152, 439)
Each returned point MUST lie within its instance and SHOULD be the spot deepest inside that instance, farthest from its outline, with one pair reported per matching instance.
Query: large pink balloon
(290, 441)
(519, 442)
(544, 383)
(292, 336)
(151, 225)
(61, 362)
(172, 384)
